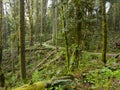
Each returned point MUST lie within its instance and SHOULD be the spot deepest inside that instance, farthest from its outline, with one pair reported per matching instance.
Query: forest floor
(49, 64)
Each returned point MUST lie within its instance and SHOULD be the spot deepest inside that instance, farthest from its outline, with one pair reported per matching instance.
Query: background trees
(41, 32)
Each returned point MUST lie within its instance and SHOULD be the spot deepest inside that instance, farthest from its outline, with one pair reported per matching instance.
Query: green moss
(35, 86)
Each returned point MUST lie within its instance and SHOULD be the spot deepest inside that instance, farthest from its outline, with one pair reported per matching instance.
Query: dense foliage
(59, 44)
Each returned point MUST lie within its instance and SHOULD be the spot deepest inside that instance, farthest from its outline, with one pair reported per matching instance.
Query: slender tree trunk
(43, 20)
(37, 25)
(55, 13)
(2, 78)
(104, 32)
(22, 41)
(30, 16)
(56, 22)
(65, 37)
(78, 36)
(14, 33)
(41, 31)
(0, 33)
(12, 50)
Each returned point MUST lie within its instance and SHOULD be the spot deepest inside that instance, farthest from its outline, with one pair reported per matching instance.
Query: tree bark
(37, 22)
(55, 13)
(43, 20)
(22, 41)
(2, 78)
(63, 23)
(0, 33)
(78, 34)
(30, 16)
(104, 32)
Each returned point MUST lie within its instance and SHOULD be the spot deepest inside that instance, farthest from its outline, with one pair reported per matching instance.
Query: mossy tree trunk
(55, 23)
(13, 36)
(0, 33)
(104, 32)
(2, 78)
(22, 41)
(37, 21)
(14, 9)
(64, 27)
(78, 37)
(43, 20)
(79, 15)
(30, 16)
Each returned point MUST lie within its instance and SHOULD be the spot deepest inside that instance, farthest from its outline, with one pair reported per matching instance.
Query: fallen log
(44, 60)
(33, 49)
(34, 86)
(52, 47)
(49, 63)
(115, 55)
(63, 80)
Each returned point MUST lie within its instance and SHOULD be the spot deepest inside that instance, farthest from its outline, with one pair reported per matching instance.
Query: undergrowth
(91, 75)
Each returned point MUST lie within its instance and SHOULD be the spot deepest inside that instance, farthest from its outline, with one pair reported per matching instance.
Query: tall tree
(37, 20)
(14, 9)
(64, 6)
(22, 41)
(2, 78)
(78, 30)
(30, 16)
(104, 32)
(0, 33)
(43, 19)
(55, 15)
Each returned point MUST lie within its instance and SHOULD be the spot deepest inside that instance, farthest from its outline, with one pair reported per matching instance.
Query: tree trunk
(30, 16)
(78, 35)
(12, 50)
(104, 33)
(0, 33)
(43, 20)
(14, 33)
(22, 41)
(65, 36)
(2, 78)
(55, 13)
(37, 22)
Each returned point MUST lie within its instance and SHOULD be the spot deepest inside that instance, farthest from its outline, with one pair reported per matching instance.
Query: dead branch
(44, 60)
(52, 61)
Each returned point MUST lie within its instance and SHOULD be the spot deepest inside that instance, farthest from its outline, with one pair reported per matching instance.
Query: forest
(59, 44)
